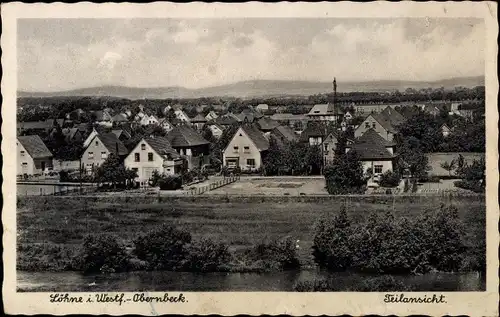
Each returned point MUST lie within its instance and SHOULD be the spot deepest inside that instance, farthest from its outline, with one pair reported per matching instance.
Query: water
(186, 281)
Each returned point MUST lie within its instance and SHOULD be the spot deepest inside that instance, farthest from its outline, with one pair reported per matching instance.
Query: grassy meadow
(50, 229)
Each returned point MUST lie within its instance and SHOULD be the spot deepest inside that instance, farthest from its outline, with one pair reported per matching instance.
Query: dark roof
(389, 119)
(469, 106)
(226, 120)
(34, 145)
(119, 118)
(185, 136)
(198, 118)
(70, 133)
(99, 115)
(266, 123)
(162, 146)
(252, 111)
(371, 146)
(112, 143)
(257, 137)
(285, 132)
(313, 129)
(39, 125)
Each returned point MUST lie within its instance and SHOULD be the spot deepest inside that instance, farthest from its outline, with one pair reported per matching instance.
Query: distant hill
(259, 88)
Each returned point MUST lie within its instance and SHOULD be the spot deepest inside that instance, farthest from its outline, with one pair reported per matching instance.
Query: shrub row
(384, 283)
(172, 249)
(432, 241)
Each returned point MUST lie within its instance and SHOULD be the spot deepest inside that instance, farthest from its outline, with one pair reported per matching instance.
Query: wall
(378, 128)
(26, 158)
(386, 166)
(66, 165)
(241, 142)
(96, 149)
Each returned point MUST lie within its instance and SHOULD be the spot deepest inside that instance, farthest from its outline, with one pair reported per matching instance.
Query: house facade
(33, 156)
(98, 150)
(181, 115)
(384, 123)
(216, 129)
(190, 145)
(328, 147)
(246, 149)
(154, 154)
(148, 120)
(165, 125)
(211, 116)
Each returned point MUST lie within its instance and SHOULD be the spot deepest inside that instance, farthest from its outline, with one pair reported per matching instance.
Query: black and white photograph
(251, 154)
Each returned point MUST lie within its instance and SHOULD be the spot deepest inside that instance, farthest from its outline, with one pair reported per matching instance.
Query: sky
(65, 54)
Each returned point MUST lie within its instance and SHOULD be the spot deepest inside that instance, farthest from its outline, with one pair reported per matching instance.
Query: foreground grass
(52, 228)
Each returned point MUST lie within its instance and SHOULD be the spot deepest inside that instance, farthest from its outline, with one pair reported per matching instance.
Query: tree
(314, 159)
(345, 175)
(113, 171)
(274, 161)
(449, 166)
(473, 176)
(412, 158)
(423, 127)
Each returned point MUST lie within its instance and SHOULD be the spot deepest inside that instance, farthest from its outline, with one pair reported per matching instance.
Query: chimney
(334, 89)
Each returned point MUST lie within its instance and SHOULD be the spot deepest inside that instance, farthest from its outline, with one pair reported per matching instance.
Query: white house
(181, 115)
(262, 107)
(33, 156)
(148, 119)
(246, 148)
(211, 116)
(216, 129)
(384, 123)
(165, 125)
(445, 130)
(154, 154)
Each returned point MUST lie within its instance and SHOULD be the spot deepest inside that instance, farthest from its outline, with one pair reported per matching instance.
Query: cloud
(199, 53)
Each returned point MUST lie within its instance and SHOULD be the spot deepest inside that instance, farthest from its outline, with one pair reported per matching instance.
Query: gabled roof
(112, 143)
(185, 136)
(120, 132)
(257, 137)
(214, 123)
(39, 125)
(389, 119)
(332, 135)
(285, 132)
(288, 117)
(226, 120)
(100, 115)
(251, 111)
(119, 118)
(266, 123)
(70, 133)
(198, 118)
(162, 147)
(371, 146)
(34, 145)
(313, 129)
(326, 109)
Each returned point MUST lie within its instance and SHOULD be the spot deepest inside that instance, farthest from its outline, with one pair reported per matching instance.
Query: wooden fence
(220, 183)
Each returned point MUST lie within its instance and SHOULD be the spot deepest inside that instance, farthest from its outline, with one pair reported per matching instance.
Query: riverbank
(51, 229)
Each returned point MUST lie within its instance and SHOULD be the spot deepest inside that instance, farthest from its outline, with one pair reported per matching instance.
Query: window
(135, 169)
(241, 134)
(367, 125)
(137, 157)
(143, 146)
(91, 155)
(96, 142)
(251, 162)
(377, 169)
(24, 164)
(326, 153)
(326, 147)
(235, 149)
(374, 125)
(22, 153)
(246, 149)
(104, 155)
(150, 156)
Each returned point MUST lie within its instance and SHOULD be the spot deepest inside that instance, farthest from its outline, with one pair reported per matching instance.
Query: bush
(385, 245)
(345, 175)
(277, 255)
(165, 182)
(390, 179)
(44, 257)
(384, 283)
(207, 256)
(164, 248)
(102, 253)
(331, 242)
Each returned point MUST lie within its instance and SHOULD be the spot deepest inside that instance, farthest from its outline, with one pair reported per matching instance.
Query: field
(288, 185)
(239, 222)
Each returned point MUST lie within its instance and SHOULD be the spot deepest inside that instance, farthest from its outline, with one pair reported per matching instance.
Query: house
(445, 130)
(313, 134)
(95, 131)
(33, 156)
(467, 110)
(122, 134)
(103, 117)
(100, 147)
(325, 112)
(246, 148)
(39, 127)
(211, 116)
(75, 114)
(226, 120)
(216, 129)
(198, 121)
(191, 145)
(262, 108)
(436, 109)
(154, 154)
(348, 116)
(329, 147)
(72, 135)
(284, 134)
(384, 123)
(249, 115)
(119, 118)
(141, 114)
(181, 115)
(148, 120)
(165, 124)
(374, 152)
(266, 124)
(295, 121)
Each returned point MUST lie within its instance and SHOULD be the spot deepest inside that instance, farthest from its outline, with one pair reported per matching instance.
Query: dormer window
(143, 146)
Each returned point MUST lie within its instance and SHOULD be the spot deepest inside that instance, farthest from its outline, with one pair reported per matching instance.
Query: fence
(223, 182)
